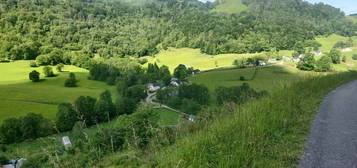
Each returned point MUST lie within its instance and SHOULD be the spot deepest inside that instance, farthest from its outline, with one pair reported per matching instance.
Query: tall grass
(266, 133)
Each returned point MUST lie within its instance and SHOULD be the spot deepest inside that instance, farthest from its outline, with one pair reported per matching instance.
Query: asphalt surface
(333, 137)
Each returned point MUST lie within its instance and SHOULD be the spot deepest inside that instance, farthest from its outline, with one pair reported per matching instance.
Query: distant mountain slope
(230, 6)
(353, 18)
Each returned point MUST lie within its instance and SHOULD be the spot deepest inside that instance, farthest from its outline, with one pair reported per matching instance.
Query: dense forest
(72, 31)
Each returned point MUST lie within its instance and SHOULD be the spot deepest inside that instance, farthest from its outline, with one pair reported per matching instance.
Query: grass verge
(266, 133)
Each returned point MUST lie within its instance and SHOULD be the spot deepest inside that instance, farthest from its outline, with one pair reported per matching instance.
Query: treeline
(74, 31)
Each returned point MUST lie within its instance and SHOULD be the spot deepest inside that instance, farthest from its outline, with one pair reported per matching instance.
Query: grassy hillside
(230, 6)
(267, 78)
(329, 41)
(20, 96)
(266, 133)
(352, 18)
(193, 57)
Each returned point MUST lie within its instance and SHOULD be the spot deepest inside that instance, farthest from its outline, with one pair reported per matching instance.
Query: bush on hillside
(31, 126)
(307, 63)
(59, 67)
(71, 81)
(33, 64)
(48, 71)
(354, 57)
(66, 117)
(34, 76)
(323, 64)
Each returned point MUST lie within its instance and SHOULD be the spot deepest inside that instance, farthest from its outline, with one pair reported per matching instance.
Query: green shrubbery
(34, 76)
(71, 81)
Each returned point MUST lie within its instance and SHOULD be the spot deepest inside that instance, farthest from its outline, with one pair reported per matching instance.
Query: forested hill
(71, 31)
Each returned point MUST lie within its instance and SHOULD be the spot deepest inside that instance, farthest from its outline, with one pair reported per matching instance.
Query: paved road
(333, 138)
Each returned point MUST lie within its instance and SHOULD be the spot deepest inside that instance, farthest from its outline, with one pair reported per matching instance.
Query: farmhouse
(175, 82)
(272, 60)
(296, 59)
(285, 58)
(346, 49)
(196, 71)
(191, 118)
(262, 63)
(317, 52)
(153, 87)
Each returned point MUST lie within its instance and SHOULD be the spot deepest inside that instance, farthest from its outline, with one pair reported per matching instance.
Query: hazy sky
(348, 6)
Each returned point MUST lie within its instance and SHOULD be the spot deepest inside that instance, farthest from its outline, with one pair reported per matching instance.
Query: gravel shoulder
(333, 136)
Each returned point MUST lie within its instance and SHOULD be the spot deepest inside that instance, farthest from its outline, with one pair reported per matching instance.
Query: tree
(84, 107)
(136, 92)
(125, 106)
(10, 131)
(354, 56)
(180, 72)
(34, 126)
(34, 76)
(59, 67)
(142, 127)
(323, 64)
(104, 107)
(190, 106)
(66, 117)
(198, 93)
(71, 81)
(307, 63)
(48, 71)
(335, 56)
(240, 63)
(33, 64)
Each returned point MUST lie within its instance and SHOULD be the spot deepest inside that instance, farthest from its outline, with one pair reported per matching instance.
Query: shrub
(48, 71)
(242, 78)
(323, 64)
(71, 81)
(66, 117)
(143, 61)
(354, 57)
(3, 160)
(33, 64)
(34, 76)
(59, 67)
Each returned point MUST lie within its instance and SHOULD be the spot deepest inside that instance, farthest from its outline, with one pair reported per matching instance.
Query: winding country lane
(333, 137)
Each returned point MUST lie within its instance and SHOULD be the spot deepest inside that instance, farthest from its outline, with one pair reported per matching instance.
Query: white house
(285, 58)
(191, 118)
(153, 87)
(272, 60)
(296, 59)
(262, 63)
(346, 49)
(175, 82)
(15, 163)
(66, 142)
(317, 52)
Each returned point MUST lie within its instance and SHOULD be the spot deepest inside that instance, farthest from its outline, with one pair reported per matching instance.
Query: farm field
(193, 57)
(20, 96)
(266, 78)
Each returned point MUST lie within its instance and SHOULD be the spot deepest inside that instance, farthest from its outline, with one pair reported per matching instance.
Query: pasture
(261, 78)
(20, 96)
(193, 57)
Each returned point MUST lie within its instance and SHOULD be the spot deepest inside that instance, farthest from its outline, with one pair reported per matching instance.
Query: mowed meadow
(19, 96)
